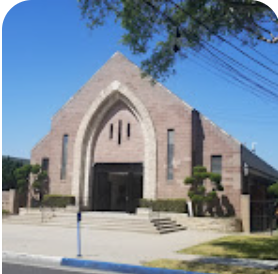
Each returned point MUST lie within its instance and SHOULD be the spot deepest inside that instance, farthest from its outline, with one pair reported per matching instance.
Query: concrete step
(166, 226)
(164, 231)
(115, 228)
(95, 220)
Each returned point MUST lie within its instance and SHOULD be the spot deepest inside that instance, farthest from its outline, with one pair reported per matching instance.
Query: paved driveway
(113, 246)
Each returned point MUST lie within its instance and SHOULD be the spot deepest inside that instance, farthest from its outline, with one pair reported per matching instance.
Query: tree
(172, 28)
(273, 190)
(31, 179)
(198, 193)
(9, 165)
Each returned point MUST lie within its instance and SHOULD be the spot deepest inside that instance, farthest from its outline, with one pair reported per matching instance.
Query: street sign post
(78, 234)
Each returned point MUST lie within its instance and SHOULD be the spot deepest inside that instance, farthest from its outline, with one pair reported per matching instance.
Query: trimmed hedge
(52, 200)
(5, 212)
(168, 205)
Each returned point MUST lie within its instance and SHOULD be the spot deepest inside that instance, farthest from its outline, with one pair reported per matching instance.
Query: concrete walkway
(112, 246)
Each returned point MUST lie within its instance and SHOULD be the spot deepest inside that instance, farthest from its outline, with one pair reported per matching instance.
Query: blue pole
(78, 239)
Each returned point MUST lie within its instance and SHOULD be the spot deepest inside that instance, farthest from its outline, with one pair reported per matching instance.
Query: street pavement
(14, 268)
(29, 243)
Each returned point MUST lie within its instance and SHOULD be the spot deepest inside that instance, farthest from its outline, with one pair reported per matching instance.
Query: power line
(275, 85)
(237, 81)
(257, 52)
(228, 67)
(222, 38)
(238, 73)
(255, 88)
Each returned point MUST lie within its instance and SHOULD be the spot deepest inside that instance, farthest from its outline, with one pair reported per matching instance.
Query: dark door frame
(134, 190)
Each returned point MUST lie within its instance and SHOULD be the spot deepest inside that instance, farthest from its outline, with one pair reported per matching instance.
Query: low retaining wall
(9, 201)
(206, 223)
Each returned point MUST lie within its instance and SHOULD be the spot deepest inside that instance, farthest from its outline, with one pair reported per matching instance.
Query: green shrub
(5, 212)
(168, 205)
(58, 200)
(273, 189)
(146, 203)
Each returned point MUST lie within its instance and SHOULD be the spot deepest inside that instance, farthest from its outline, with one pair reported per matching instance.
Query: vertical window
(170, 154)
(45, 164)
(120, 132)
(216, 164)
(64, 156)
(111, 131)
(128, 130)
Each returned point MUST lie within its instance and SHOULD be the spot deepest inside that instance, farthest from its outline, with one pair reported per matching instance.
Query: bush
(273, 189)
(58, 200)
(168, 205)
(5, 212)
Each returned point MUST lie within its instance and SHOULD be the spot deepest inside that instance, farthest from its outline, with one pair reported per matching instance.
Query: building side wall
(173, 117)
(51, 147)
(216, 142)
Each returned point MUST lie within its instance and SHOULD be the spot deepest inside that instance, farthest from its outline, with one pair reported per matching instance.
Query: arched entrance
(87, 135)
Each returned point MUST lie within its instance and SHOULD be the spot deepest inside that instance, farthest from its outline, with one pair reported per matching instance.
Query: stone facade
(117, 92)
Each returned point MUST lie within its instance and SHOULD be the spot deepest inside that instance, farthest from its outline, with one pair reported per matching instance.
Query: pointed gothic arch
(88, 131)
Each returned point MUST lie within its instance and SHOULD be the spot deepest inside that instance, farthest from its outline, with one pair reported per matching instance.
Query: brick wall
(130, 149)
(166, 112)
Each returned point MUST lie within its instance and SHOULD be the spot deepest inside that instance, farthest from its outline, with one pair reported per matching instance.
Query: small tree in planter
(198, 193)
(40, 182)
(39, 186)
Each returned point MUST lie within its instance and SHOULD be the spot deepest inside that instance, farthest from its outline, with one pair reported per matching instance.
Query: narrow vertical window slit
(111, 131)
(170, 154)
(64, 156)
(128, 130)
(120, 132)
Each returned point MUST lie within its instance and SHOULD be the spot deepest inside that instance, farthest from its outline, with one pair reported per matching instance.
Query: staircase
(166, 225)
(97, 220)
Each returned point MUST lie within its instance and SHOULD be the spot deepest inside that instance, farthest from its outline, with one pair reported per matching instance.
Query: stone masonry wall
(130, 149)
(166, 111)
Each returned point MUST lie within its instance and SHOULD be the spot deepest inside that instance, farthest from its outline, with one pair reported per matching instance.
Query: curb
(31, 259)
(122, 268)
(49, 261)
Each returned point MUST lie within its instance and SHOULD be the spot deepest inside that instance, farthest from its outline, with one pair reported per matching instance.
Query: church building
(121, 138)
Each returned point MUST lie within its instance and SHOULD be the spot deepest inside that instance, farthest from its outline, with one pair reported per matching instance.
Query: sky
(48, 54)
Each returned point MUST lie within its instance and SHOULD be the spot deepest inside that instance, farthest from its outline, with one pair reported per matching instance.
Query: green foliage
(214, 177)
(35, 169)
(262, 247)
(58, 200)
(9, 166)
(189, 180)
(166, 30)
(168, 205)
(22, 176)
(5, 212)
(211, 196)
(39, 185)
(273, 189)
(146, 203)
(198, 193)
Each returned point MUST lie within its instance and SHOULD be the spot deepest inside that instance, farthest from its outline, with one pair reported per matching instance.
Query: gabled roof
(258, 165)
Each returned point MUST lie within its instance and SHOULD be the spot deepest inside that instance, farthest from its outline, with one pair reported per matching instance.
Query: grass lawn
(256, 247)
(207, 268)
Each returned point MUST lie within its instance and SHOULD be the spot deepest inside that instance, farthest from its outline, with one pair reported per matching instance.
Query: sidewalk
(111, 246)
